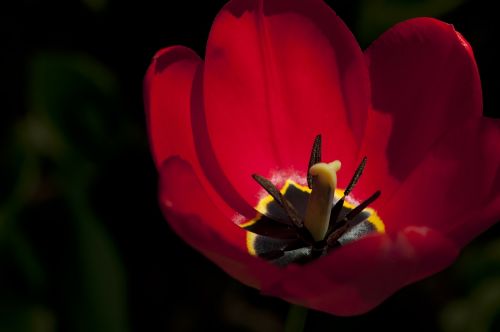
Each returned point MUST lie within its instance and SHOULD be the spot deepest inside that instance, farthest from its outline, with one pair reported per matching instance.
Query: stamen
(356, 176)
(290, 211)
(336, 212)
(314, 159)
(340, 204)
(358, 209)
(332, 240)
(324, 227)
(342, 226)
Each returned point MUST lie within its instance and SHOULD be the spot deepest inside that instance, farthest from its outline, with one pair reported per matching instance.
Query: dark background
(83, 245)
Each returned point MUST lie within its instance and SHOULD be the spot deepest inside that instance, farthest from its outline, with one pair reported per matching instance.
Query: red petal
(172, 98)
(476, 221)
(349, 281)
(278, 73)
(424, 81)
(167, 94)
(358, 277)
(193, 216)
(457, 181)
(487, 213)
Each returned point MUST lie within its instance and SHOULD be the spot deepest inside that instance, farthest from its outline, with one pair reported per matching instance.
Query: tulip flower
(313, 171)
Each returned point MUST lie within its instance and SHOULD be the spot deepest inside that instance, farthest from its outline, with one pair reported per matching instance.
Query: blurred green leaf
(74, 102)
(97, 299)
(478, 275)
(27, 260)
(478, 262)
(74, 122)
(23, 318)
(376, 16)
(477, 312)
(96, 5)
(96, 294)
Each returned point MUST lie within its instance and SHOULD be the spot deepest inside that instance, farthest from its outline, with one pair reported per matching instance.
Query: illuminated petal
(167, 94)
(277, 74)
(193, 216)
(172, 101)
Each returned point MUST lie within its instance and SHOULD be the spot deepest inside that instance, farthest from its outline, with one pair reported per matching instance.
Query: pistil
(319, 206)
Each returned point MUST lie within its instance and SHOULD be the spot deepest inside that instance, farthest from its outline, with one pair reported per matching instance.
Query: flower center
(297, 224)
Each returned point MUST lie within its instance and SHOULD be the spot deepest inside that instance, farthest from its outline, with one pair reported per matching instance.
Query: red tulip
(276, 74)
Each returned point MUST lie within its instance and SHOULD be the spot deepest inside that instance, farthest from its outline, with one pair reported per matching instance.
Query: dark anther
(290, 211)
(334, 216)
(340, 204)
(332, 239)
(342, 226)
(268, 186)
(358, 209)
(314, 159)
(356, 176)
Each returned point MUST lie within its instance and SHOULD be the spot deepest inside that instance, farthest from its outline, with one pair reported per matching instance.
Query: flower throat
(301, 223)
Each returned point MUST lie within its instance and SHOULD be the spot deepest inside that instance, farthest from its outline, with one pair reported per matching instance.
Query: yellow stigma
(320, 202)
(327, 173)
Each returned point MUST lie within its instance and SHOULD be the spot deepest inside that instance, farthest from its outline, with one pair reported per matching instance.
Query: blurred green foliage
(73, 103)
(96, 5)
(478, 308)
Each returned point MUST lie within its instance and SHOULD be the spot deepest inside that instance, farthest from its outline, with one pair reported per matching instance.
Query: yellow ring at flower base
(262, 207)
